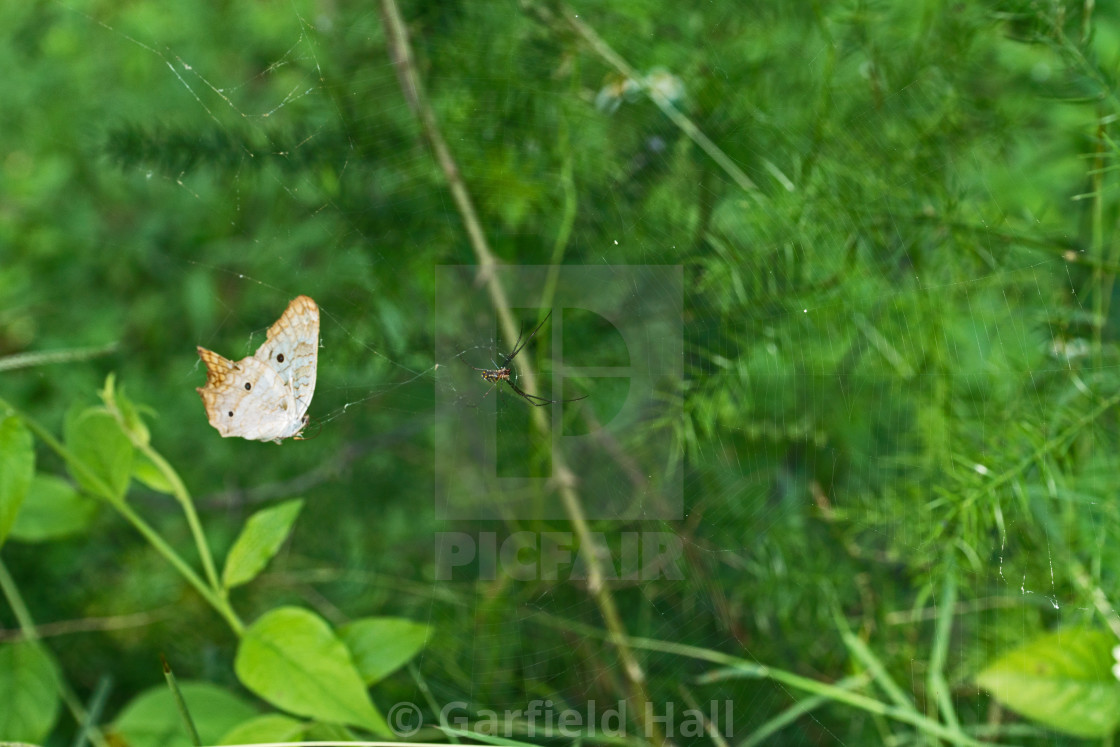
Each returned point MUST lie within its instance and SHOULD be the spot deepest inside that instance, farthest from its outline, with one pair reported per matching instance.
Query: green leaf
(1062, 680)
(262, 536)
(95, 438)
(145, 470)
(381, 644)
(153, 720)
(17, 465)
(270, 728)
(53, 509)
(292, 658)
(28, 692)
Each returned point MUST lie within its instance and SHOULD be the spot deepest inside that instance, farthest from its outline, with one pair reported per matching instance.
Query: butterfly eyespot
(248, 386)
(279, 357)
(231, 413)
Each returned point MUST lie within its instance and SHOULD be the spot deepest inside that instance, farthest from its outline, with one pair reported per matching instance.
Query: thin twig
(91, 624)
(400, 52)
(28, 360)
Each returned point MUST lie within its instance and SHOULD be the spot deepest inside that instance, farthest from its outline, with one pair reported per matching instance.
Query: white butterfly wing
(248, 399)
(292, 350)
(265, 397)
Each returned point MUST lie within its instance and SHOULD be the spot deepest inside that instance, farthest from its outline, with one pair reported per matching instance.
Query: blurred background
(897, 230)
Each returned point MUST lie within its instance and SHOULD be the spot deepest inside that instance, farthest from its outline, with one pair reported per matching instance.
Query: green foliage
(270, 728)
(900, 373)
(97, 443)
(149, 474)
(262, 536)
(292, 658)
(289, 657)
(17, 465)
(380, 645)
(53, 509)
(1062, 679)
(28, 690)
(153, 719)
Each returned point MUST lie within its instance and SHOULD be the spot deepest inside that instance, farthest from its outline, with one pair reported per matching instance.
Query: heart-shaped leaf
(292, 658)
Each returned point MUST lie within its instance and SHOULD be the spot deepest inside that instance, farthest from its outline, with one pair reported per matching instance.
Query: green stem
(87, 728)
(1061, 439)
(180, 704)
(753, 670)
(31, 634)
(796, 711)
(15, 601)
(162, 547)
(219, 603)
(1100, 600)
(874, 666)
(179, 490)
(937, 684)
(1101, 281)
(138, 435)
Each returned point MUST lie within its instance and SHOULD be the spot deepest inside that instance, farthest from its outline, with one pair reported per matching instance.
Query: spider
(503, 373)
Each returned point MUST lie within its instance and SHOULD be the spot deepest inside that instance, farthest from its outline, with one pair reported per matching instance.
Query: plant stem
(138, 435)
(1102, 282)
(1063, 438)
(162, 547)
(180, 704)
(87, 727)
(179, 490)
(31, 635)
(27, 360)
(220, 604)
(19, 607)
(754, 670)
(937, 684)
(400, 52)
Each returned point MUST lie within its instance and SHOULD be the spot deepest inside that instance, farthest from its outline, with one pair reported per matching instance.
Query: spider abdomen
(496, 375)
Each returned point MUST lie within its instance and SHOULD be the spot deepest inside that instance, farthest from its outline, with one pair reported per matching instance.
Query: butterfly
(265, 397)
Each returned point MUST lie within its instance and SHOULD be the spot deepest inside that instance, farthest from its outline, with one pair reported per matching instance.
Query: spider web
(855, 344)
